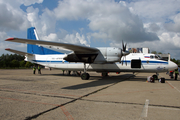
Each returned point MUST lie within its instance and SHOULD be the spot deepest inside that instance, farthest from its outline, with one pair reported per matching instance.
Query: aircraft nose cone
(172, 65)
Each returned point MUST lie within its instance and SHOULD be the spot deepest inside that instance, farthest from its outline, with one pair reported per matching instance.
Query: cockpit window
(151, 56)
(155, 57)
(159, 56)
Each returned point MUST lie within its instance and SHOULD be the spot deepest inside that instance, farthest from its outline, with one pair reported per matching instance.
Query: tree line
(13, 61)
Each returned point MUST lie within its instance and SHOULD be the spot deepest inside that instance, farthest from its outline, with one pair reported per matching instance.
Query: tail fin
(35, 49)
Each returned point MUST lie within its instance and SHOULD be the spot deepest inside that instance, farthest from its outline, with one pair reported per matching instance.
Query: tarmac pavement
(52, 95)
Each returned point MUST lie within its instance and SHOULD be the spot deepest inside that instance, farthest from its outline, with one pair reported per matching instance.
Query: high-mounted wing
(80, 53)
(18, 52)
(75, 48)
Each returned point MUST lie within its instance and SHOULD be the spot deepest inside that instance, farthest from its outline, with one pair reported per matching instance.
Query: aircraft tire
(85, 76)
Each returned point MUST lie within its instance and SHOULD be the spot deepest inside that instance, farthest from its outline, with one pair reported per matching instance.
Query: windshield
(155, 57)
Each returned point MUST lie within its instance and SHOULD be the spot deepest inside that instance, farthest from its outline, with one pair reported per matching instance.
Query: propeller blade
(124, 53)
(123, 46)
(122, 60)
(125, 61)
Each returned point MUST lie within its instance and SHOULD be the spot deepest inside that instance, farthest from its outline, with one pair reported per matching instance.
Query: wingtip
(7, 49)
(9, 39)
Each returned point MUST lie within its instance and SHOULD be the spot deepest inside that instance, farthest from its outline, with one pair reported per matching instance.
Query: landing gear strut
(85, 76)
(104, 74)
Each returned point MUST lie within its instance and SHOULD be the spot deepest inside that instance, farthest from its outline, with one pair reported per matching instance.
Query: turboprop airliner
(83, 58)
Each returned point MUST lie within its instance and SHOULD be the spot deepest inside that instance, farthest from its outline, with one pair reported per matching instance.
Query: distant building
(146, 51)
(165, 56)
(139, 50)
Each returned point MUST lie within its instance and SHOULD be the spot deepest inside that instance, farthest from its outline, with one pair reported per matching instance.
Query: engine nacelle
(86, 58)
(109, 54)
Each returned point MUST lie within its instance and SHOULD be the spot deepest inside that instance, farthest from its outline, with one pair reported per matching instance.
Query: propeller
(124, 46)
(124, 52)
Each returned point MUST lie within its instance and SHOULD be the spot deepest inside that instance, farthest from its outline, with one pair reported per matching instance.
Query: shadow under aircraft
(100, 81)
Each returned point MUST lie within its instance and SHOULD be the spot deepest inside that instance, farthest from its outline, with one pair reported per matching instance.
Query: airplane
(83, 58)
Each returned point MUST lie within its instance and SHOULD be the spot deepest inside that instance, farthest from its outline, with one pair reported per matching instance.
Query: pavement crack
(37, 115)
(80, 98)
(165, 106)
(38, 94)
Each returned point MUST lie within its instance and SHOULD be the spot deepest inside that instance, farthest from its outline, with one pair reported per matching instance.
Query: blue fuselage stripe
(149, 62)
(144, 62)
(48, 61)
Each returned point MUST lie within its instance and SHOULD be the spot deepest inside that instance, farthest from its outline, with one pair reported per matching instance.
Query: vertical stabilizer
(35, 49)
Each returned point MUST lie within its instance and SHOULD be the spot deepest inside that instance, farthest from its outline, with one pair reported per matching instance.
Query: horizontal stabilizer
(75, 48)
(19, 52)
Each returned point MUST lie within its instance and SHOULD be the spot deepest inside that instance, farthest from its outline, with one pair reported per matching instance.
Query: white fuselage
(136, 62)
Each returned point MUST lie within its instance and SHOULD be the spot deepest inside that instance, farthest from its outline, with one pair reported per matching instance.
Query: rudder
(35, 49)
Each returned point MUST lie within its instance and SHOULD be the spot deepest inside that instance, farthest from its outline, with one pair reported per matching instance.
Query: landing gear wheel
(85, 76)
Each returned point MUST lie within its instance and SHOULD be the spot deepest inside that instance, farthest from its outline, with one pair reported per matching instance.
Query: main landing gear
(85, 76)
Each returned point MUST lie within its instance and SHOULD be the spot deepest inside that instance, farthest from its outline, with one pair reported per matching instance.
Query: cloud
(109, 20)
(45, 23)
(160, 17)
(3, 35)
(155, 10)
(30, 2)
(154, 27)
(170, 39)
(175, 26)
(123, 26)
(142, 23)
(76, 39)
(51, 37)
(11, 19)
(67, 38)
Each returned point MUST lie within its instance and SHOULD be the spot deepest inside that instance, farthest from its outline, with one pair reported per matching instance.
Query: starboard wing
(18, 52)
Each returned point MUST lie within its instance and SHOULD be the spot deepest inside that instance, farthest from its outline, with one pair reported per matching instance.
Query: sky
(96, 23)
